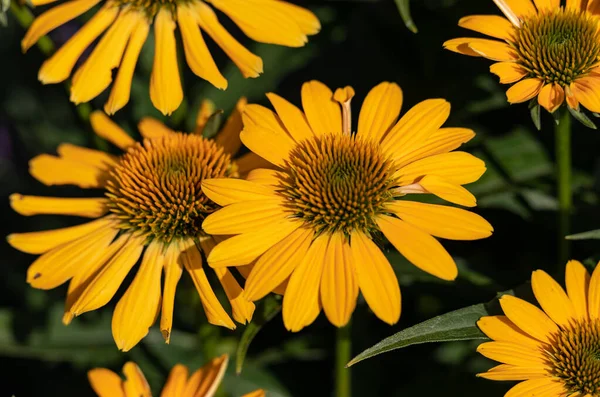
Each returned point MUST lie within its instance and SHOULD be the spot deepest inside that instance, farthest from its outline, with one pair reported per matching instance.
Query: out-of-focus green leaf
(266, 310)
(457, 325)
(590, 235)
(4, 6)
(404, 8)
(535, 111)
(213, 124)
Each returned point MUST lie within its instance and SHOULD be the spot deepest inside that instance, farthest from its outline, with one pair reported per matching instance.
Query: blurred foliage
(362, 43)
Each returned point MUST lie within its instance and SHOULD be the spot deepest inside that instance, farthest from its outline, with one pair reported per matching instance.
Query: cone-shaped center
(155, 189)
(558, 46)
(337, 183)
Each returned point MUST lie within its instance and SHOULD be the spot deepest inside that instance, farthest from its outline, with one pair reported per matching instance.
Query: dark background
(361, 44)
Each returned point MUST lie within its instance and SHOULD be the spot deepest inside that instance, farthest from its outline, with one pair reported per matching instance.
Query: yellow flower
(202, 383)
(547, 50)
(314, 219)
(152, 209)
(127, 24)
(554, 350)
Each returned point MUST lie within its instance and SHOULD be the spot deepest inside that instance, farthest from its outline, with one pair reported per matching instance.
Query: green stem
(343, 354)
(565, 193)
(25, 18)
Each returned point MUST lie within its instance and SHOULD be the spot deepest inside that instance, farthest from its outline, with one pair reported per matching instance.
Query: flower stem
(343, 354)
(25, 18)
(565, 194)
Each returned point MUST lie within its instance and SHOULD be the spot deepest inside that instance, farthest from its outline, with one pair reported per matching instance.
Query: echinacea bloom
(202, 383)
(555, 350)
(545, 49)
(315, 219)
(124, 26)
(152, 209)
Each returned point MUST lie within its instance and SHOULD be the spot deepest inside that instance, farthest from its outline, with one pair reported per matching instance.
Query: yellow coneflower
(152, 209)
(202, 383)
(314, 219)
(127, 24)
(555, 350)
(547, 50)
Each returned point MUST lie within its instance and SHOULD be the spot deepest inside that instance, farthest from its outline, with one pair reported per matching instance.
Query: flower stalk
(343, 354)
(564, 189)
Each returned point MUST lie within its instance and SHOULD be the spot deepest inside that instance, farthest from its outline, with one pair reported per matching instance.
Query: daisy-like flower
(545, 49)
(314, 219)
(152, 209)
(202, 383)
(126, 25)
(555, 350)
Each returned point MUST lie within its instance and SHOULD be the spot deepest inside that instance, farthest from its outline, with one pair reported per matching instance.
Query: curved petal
(458, 168)
(229, 136)
(542, 387)
(552, 298)
(546, 5)
(448, 191)
(151, 128)
(244, 217)
(524, 90)
(205, 381)
(380, 110)
(173, 269)
(52, 170)
(587, 91)
(509, 72)
(528, 318)
(494, 50)
(226, 191)
(107, 129)
(513, 353)
(501, 329)
(242, 309)
(490, 25)
(95, 158)
(175, 382)
(323, 113)
(512, 372)
(577, 280)
(293, 119)
(516, 10)
(594, 295)
(135, 383)
(106, 383)
(461, 46)
(551, 96)
(36, 205)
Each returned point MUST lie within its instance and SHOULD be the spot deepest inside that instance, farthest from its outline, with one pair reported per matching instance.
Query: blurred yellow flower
(202, 383)
(312, 222)
(152, 209)
(547, 50)
(127, 24)
(555, 350)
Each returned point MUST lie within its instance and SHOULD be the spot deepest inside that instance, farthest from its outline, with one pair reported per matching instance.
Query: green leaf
(404, 8)
(267, 309)
(454, 326)
(591, 235)
(212, 124)
(582, 118)
(535, 111)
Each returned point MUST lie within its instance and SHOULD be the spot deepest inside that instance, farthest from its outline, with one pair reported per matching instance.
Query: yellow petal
(52, 170)
(293, 119)
(593, 7)
(95, 75)
(165, 84)
(245, 217)
(509, 72)
(264, 135)
(418, 247)
(552, 298)
(490, 25)
(244, 248)
(513, 353)
(58, 67)
(53, 18)
(206, 109)
(458, 168)
(255, 393)
(376, 278)
(197, 55)
(190, 256)
(442, 221)
(339, 287)
(546, 5)
(494, 50)
(95, 158)
(175, 382)
(322, 112)
(551, 96)
(272, 22)
(380, 110)
(107, 129)
(501, 329)
(265, 177)
(577, 280)
(135, 384)
(225, 191)
(249, 64)
(461, 46)
(528, 318)
(105, 383)
(576, 4)
(516, 10)
(57, 266)
(120, 93)
(512, 372)
(40, 242)
(587, 92)
(150, 128)
(173, 268)
(524, 90)
(594, 295)
(242, 309)
(301, 300)
(104, 286)
(277, 263)
(542, 387)
(229, 136)
(205, 381)
(36, 205)
(415, 127)
(450, 192)
(249, 162)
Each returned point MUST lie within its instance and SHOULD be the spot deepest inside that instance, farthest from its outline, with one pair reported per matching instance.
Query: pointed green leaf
(582, 118)
(591, 235)
(266, 310)
(454, 326)
(535, 111)
(404, 8)
(212, 124)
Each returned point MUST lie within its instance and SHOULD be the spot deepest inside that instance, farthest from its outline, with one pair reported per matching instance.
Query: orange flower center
(337, 183)
(155, 190)
(559, 46)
